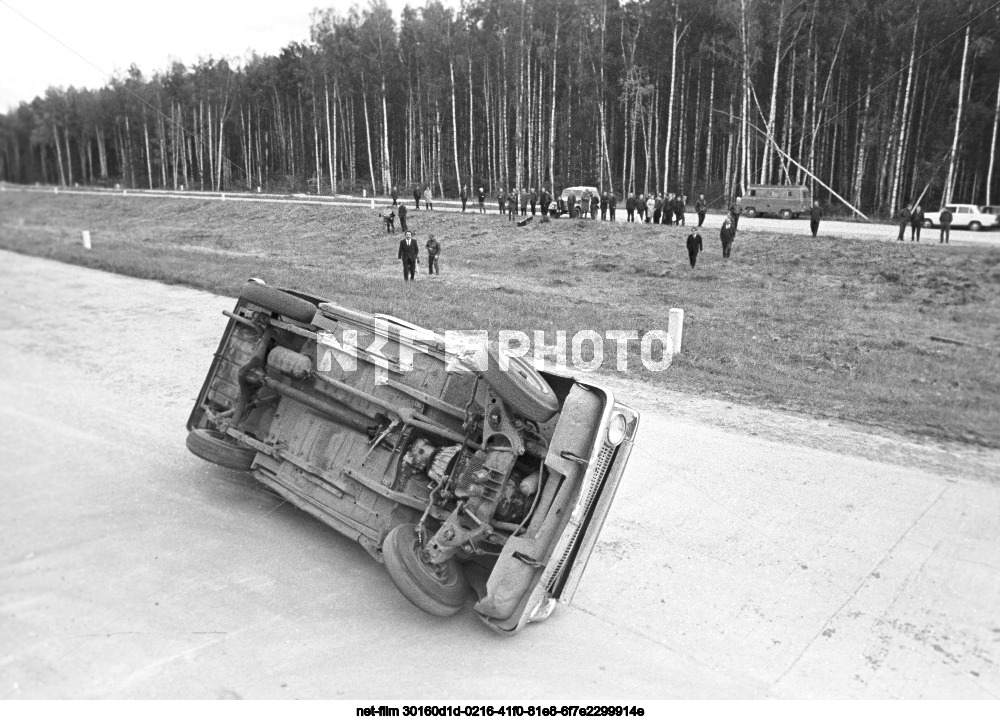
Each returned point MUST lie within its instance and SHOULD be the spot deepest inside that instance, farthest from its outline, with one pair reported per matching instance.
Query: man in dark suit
(402, 217)
(408, 253)
(694, 246)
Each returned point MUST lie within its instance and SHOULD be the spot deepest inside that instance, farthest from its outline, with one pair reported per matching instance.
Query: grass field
(829, 327)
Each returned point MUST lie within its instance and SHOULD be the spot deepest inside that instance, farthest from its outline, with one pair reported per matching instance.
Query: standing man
(402, 217)
(630, 208)
(594, 205)
(482, 201)
(735, 211)
(512, 204)
(640, 207)
(904, 220)
(727, 235)
(604, 205)
(427, 199)
(650, 208)
(533, 199)
(502, 201)
(667, 214)
(946, 218)
(612, 204)
(657, 209)
(524, 202)
(416, 196)
(700, 206)
(815, 213)
(916, 222)
(395, 195)
(464, 196)
(433, 251)
(408, 252)
(694, 246)
(680, 207)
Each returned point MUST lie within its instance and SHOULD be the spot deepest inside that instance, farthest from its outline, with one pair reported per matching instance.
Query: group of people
(525, 199)
(409, 254)
(913, 216)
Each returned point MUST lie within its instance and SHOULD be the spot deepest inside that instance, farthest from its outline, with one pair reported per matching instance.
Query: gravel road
(749, 553)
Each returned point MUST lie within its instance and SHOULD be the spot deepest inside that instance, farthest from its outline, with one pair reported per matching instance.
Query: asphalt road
(733, 564)
(713, 221)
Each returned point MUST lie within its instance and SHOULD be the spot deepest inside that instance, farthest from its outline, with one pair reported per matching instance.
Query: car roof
(590, 188)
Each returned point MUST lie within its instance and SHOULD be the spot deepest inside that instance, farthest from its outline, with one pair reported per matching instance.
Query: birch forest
(871, 100)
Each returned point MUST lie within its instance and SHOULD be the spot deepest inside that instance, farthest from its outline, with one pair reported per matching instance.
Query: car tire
(928, 224)
(750, 212)
(785, 214)
(278, 301)
(438, 589)
(975, 226)
(521, 386)
(215, 447)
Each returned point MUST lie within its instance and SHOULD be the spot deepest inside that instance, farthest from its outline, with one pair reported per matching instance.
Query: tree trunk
(950, 183)
(765, 166)
(993, 150)
(670, 102)
(552, 119)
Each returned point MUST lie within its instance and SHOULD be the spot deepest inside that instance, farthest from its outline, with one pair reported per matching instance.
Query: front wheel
(439, 589)
(975, 226)
(750, 212)
(785, 214)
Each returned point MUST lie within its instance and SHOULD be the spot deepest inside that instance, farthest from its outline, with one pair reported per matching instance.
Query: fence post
(675, 328)
(86, 239)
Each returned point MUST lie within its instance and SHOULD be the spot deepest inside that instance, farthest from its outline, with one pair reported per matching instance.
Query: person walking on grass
(904, 220)
(700, 207)
(416, 197)
(815, 214)
(735, 211)
(433, 251)
(390, 220)
(916, 222)
(464, 196)
(727, 234)
(946, 218)
(402, 217)
(694, 246)
(482, 201)
(409, 253)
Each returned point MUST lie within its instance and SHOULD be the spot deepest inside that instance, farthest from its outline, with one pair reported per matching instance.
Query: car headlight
(616, 429)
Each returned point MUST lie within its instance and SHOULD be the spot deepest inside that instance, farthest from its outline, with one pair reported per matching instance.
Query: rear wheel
(975, 226)
(439, 589)
(928, 224)
(750, 212)
(785, 214)
(278, 301)
(216, 447)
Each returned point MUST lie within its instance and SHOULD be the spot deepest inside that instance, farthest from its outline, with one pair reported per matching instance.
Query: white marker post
(373, 203)
(86, 240)
(675, 327)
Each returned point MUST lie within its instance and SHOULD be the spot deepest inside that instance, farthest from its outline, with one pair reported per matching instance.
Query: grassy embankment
(830, 327)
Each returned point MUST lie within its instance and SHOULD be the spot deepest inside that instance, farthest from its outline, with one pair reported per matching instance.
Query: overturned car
(454, 469)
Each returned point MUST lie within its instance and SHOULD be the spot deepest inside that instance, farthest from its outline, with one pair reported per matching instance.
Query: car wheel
(439, 589)
(750, 212)
(785, 214)
(278, 301)
(975, 226)
(218, 448)
(928, 224)
(521, 386)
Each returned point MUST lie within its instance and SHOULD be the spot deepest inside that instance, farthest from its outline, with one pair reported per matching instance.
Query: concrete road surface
(736, 562)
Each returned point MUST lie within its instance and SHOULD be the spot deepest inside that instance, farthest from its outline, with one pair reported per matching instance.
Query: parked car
(578, 191)
(449, 472)
(964, 215)
(784, 201)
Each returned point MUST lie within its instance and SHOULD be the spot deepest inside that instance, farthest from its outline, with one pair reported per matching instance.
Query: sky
(66, 39)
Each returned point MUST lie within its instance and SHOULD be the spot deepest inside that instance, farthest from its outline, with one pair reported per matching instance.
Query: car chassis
(451, 473)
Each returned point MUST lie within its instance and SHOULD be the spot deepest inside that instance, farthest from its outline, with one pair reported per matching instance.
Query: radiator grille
(600, 470)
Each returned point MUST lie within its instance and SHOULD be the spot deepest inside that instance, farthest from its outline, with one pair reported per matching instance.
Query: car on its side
(450, 472)
(578, 192)
(965, 215)
(784, 201)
